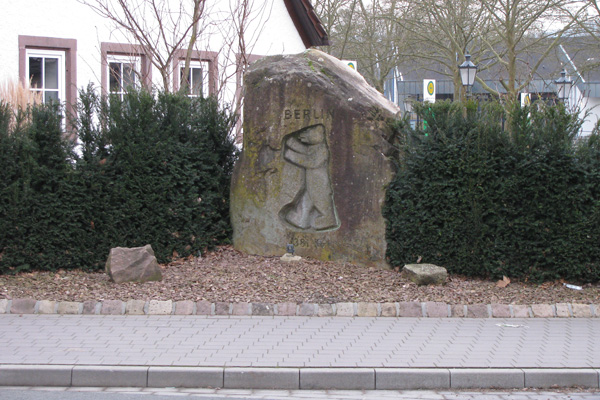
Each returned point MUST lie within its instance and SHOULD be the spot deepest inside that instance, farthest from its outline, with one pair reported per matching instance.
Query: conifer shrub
(150, 169)
(488, 198)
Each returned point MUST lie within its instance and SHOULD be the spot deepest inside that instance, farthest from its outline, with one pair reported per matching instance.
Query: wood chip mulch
(226, 275)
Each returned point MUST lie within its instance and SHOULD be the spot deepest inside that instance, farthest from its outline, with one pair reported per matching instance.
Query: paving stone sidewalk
(295, 352)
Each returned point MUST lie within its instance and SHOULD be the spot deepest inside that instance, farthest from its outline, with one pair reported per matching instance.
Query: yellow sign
(429, 90)
(351, 64)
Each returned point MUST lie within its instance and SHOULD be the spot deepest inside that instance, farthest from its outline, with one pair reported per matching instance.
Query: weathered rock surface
(426, 274)
(135, 264)
(314, 164)
(287, 257)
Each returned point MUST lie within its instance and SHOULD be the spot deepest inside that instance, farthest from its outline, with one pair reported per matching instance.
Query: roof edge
(307, 23)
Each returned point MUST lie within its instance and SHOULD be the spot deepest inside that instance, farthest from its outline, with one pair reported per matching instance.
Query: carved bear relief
(313, 207)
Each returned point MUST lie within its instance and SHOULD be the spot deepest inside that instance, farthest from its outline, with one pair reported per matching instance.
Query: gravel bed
(226, 275)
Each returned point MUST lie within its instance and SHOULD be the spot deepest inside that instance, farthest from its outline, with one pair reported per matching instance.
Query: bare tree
(585, 34)
(239, 27)
(589, 18)
(161, 27)
(523, 33)
(196, 15)
(330, 13)
(442, 32)
(367, 32)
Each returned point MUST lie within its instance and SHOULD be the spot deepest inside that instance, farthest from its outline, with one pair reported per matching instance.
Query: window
(202, 75)
(197, 78)
(46, 73)
(49, 65)
(123, 73)
(124, 66)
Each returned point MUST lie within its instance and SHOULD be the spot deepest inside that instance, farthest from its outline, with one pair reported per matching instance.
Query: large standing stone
(314, 165)
(135, 264)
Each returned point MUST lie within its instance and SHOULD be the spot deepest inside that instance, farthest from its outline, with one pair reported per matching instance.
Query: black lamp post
(563, 85)
(408, 104)
(468, 71)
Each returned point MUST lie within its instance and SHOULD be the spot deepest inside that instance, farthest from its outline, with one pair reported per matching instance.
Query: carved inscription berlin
(305, 113)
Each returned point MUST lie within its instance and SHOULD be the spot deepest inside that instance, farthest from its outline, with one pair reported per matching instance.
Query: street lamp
(408, 104)
(563, 85)
(468, 70)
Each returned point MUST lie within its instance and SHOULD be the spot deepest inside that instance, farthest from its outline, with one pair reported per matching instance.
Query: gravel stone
(185, 307)
(388, 310)
(263, 309)
(367, 309)
(410, 309)
(288, 309)
(46, 307)
(307, 310)
(68, 307)
(542, 310)
(345, 309)
(582, 310)
(203, 308)
(457, 310)
(221, 308)
(477, 311)
(520, 311)
(228, 276)
(156, 307)
(135, 307)
(22, 306)
(436, 309)
(89, 307)
(562, 310)
(3, 306)
(325, 310)
(501, 311)
(112, 307)
(241, 309)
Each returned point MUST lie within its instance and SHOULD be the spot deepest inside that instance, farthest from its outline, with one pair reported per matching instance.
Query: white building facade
(60, 46)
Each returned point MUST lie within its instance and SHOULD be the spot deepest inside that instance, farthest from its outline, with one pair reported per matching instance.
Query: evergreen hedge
(152, 169)
(484, 198)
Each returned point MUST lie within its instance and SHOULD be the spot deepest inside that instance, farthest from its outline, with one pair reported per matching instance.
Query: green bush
(37, 182)
(151, 170)
(483, 201)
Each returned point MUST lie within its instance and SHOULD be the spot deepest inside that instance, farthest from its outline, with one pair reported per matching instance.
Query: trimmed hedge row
(485, 201)
(151, 169)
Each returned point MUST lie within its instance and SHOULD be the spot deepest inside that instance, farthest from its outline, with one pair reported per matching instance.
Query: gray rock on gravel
(134, 264)
(426, 274)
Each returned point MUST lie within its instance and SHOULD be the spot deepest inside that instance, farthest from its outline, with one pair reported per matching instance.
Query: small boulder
(288, 257)
(426, 274)
(135, 264)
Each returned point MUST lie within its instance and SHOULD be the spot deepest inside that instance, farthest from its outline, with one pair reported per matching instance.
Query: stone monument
(314, 165)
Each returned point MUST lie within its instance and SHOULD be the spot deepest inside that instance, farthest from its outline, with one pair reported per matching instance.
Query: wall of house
(589, 109)
(269, 31)
(592, 108)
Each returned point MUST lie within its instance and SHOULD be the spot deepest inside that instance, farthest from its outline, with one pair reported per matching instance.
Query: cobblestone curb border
(295, 378)
(402, 309)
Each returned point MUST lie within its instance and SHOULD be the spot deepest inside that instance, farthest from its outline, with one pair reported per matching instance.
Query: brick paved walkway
(448, 351)
(300, 341)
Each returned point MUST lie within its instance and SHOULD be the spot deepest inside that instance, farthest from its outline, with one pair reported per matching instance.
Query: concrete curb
(401, 309)
(295, 378)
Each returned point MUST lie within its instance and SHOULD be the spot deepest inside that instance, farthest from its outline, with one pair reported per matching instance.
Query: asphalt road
(230, 394)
